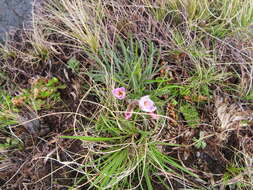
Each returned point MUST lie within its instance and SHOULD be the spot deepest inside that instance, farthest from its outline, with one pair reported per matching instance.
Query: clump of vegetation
(127, 149)
(154, 95)
(42, 94)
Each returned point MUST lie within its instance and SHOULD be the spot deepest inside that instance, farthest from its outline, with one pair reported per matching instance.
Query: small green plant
(8, 111)
(73, 64)
(201, 80)
(230, 178)
(196, 88)
(42, 94)
(9, 143)
(190, 114)
(129, 65)
(200, 142)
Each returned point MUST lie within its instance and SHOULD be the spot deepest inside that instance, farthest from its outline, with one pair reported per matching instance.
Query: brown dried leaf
(229, 114)
(18, 101)
(171, 112)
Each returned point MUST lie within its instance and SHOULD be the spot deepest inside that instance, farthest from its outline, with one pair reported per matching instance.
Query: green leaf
(73, 64)
(249, 96)
(52, 81)
(170, 89)
(38, 104)
(63, 86)
(190, 114)
(158, 80)
(205, 90)
(45, 94)
(185, 91)
(148, 179)
(199, 143)
(92, 139)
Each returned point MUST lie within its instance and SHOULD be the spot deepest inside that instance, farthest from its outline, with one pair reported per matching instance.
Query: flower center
(146, 103)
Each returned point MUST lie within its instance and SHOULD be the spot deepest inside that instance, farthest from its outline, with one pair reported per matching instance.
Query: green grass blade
(92, 139)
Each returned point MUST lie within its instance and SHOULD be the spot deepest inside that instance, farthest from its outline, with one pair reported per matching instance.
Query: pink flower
(153, 115)
(119, 93)
(128, 115)
(130, 108)
(146, 104)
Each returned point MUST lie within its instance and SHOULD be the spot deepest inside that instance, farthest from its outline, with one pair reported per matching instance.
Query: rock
(14, 14)
(33, 126)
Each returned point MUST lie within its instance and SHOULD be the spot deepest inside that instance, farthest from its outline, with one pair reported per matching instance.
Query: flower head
(146, 104)
(128, 115)
(130, 108)
(119, 93)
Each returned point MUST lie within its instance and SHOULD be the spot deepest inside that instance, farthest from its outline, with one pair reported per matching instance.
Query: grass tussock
(129, 95)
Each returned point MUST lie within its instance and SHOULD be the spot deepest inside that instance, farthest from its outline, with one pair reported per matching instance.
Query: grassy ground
(64, 126)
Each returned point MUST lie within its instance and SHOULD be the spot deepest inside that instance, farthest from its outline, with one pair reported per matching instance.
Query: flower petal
(146, 104)
(119, 93)
(128, 115)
